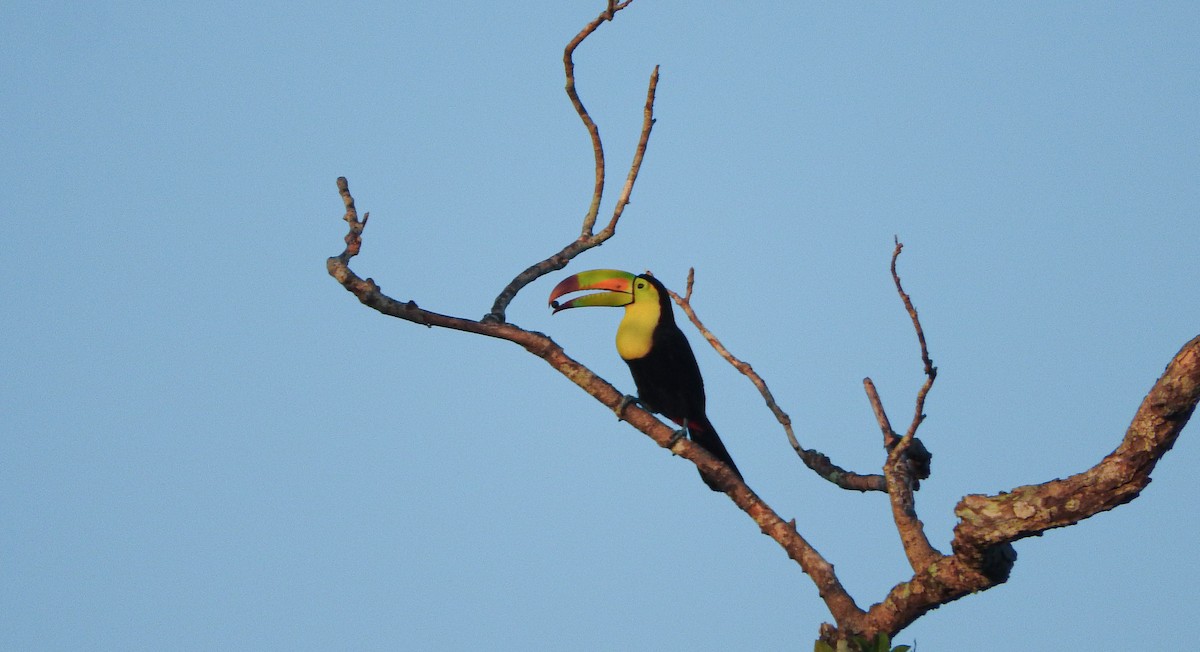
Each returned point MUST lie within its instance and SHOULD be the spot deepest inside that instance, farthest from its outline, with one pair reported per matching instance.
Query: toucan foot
(626, 400)
(676, 436)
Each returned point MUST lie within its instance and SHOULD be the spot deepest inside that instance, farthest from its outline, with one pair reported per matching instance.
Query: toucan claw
(626, 400)
(682, 433)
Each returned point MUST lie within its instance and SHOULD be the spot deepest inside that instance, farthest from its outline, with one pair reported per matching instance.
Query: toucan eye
(642, 285)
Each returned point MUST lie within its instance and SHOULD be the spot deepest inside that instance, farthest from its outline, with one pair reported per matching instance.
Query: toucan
(658, 354)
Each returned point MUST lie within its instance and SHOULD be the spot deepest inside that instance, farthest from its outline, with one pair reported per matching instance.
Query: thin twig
(589, 219)
(897, 469)
(638, 155)
(586, 239)
(889, 436)
(815, 460)
(354, 237)
(930, 370)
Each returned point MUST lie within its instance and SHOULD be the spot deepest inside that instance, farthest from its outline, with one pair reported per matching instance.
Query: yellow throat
(635, 335)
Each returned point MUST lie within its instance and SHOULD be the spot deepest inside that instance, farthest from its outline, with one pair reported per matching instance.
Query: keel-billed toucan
(659, 356)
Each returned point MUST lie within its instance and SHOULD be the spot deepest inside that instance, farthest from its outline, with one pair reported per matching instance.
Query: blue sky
(208, 444)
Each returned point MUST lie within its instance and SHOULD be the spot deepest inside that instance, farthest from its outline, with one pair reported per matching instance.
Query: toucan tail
(703, 433)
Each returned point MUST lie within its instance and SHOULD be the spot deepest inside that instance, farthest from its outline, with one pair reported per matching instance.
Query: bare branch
(983, 554)
(898, 470)
(920, 552)
(586, 239)
(589, 219)
(1115, 480)
(890, 438)
(354, 237)
(901, 481)
(638, 155)
(982, 547)
(839, 601)
(930, 370)
(815, 460)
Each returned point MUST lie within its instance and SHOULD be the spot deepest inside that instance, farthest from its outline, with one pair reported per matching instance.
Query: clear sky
(208, 444)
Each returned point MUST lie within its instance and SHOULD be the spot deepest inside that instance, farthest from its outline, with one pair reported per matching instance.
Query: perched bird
(658, 354)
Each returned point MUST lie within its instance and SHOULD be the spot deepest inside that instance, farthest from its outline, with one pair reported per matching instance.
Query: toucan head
(619, 289)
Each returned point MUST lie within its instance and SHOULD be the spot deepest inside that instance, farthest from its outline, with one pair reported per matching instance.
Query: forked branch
(494, 325)
(988, 524)
(769, 522)
(587, 239)
(907, 460)
(813, 459)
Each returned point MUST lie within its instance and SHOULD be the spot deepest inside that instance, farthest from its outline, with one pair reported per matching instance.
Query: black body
(668, 382)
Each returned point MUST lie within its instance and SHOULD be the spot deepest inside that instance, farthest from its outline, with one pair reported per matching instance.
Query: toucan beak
(619, 285)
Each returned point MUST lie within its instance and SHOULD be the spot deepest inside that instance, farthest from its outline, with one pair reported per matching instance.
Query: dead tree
(981, 554)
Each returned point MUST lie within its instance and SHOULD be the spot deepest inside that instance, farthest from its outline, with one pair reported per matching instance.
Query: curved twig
(930, 370)
(589, 220)
(813, 459)
(899, 467)
(587, 239)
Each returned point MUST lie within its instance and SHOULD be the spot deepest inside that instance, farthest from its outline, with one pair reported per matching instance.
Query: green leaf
(822, 646)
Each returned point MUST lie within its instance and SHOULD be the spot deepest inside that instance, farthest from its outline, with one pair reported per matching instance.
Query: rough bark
(982, 554)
